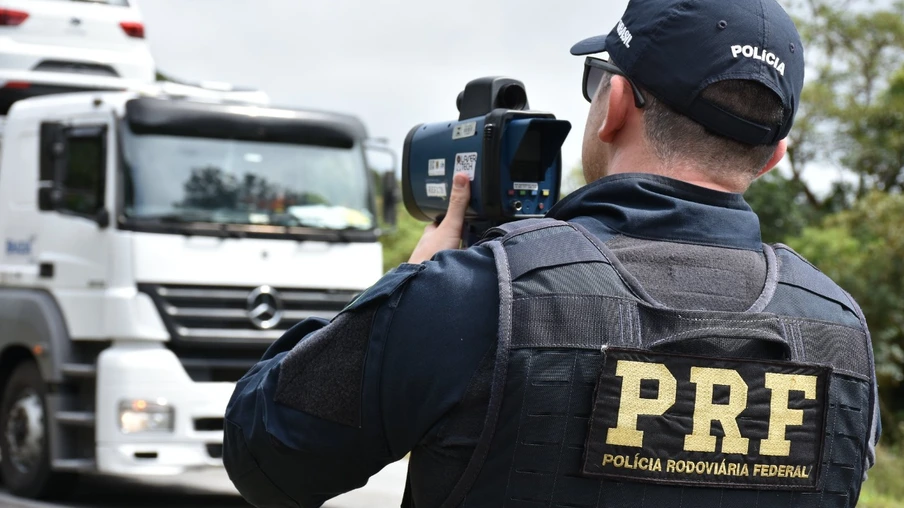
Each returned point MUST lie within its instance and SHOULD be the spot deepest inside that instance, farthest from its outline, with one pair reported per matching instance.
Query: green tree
(876, 140)
(853, 97)
(861, 249)
(782, 206)
(399, 243)
(211, 188)
(572, 180)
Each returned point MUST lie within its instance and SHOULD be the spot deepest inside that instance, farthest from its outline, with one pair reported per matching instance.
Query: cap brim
(590, 46)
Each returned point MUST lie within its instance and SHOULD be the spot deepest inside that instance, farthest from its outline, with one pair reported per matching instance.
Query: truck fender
(31, 318)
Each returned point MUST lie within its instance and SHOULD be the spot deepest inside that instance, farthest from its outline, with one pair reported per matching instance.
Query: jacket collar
(654, 207)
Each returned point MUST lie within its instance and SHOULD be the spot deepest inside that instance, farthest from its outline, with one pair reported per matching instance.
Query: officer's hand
(448, 234)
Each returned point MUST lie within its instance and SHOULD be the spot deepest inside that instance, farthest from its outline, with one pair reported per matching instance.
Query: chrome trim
(213, 334)
(287, 295)
(242, 315)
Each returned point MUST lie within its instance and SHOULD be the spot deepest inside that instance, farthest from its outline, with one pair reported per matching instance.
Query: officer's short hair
(674, 137)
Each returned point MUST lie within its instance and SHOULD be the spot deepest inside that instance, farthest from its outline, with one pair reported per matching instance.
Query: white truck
(153, 247)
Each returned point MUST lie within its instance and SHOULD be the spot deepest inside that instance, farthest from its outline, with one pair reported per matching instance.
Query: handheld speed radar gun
(512, 155)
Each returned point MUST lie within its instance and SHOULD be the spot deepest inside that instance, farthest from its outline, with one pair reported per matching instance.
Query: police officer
(638, 347)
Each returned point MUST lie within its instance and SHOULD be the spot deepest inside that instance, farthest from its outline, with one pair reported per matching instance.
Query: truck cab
(153, 248)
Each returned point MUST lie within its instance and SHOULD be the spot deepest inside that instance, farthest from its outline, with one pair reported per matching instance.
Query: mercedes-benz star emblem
(264, 307)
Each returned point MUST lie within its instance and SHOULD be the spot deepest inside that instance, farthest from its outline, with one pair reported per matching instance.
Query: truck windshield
(189, 179)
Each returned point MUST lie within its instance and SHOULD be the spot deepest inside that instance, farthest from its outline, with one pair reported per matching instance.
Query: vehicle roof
(150, 115)
(78, 102)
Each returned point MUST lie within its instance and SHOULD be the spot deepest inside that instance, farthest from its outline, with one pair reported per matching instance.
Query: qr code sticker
(436, 167)
(466, 163)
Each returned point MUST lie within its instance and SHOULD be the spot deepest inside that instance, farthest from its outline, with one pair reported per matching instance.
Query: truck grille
(218, 333)
(223, 315)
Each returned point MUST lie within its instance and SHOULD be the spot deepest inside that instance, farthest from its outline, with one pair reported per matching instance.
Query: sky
(394, 64)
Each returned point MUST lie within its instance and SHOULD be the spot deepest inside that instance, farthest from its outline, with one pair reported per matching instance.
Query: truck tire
(24, 438)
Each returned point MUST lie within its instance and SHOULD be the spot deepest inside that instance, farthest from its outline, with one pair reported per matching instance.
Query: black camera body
(511, 154)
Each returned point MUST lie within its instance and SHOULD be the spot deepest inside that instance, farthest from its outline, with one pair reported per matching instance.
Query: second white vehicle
(103, 38)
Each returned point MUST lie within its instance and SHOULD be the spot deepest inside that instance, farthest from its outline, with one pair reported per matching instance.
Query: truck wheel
(24, 438)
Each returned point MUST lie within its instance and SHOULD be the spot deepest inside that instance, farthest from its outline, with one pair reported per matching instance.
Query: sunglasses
(595, 69)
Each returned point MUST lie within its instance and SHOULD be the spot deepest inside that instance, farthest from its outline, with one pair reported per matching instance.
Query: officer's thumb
(458, 202)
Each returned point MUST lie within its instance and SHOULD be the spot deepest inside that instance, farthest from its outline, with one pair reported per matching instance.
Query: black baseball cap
(676, 48)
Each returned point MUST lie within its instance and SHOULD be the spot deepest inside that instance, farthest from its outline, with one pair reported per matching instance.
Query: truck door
(74, 240)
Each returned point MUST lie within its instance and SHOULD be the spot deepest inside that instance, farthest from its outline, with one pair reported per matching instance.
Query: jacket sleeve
(330, 405)
(300, 426)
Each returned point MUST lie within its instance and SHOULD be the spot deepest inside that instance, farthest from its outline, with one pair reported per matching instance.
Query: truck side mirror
(103, 218)
(390, 199)
(53, 149)
(48, 196)
(387, 182)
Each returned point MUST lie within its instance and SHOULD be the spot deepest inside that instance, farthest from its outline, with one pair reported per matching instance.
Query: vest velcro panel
(547, 322)
(840, 346)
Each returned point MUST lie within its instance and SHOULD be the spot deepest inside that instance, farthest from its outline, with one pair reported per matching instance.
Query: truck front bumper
(128, 372)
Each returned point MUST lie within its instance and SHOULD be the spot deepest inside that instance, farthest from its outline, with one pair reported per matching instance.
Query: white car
(91, 42)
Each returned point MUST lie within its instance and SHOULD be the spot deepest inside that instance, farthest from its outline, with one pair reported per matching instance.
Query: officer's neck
(641, 161)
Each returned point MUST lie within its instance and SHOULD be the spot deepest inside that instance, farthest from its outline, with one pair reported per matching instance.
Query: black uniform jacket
(329, 406)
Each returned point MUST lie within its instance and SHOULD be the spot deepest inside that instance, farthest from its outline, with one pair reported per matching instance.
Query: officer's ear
(777, 157)
(619, 112)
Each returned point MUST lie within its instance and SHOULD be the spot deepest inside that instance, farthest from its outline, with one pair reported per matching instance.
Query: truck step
(80, 370)
(75, 465)
(76, 418)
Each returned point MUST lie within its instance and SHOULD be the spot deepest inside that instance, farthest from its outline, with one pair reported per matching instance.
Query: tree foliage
(212, 188)
(877, 140)
(851, 109)
(782, 206)
(399, 243)
(572, 180)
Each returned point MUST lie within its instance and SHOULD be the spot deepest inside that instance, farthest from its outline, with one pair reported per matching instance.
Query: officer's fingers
(458, 204)
(430, 243)
(448, 234)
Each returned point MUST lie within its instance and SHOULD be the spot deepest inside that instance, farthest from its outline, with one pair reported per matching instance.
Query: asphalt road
(211, 489)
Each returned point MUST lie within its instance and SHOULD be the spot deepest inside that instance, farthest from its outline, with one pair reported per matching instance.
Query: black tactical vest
(601, 397)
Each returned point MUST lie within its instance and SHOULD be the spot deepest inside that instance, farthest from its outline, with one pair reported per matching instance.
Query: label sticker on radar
(436, 190)
(436, 167)
(464, 130)
(526, 186)
(707, 422)
(466, 163)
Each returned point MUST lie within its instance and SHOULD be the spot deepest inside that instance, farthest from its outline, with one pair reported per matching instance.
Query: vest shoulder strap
(532, 244)
(519, 227)
(796, 273)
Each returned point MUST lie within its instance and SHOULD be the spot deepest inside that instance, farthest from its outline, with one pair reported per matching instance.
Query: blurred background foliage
(837, 197)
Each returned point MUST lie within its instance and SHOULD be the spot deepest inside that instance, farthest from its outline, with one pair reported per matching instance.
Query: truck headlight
(145, 416)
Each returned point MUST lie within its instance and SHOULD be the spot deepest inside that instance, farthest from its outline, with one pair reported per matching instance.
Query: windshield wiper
(175, 218)
(206, 225)
(223, 229)
(228, 232)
